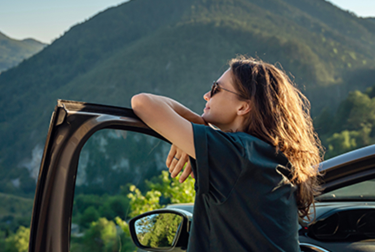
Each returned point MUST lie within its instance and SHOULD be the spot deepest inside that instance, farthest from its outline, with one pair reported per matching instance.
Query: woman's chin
(205, 117)
(208, 121)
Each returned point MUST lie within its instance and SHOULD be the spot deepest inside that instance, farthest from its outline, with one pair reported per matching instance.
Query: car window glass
(363, 190)
(110, 163)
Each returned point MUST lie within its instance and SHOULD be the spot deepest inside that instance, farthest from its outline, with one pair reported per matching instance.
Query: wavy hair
(280, 115)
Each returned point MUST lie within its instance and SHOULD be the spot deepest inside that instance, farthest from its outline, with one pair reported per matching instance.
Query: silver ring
(176, 158)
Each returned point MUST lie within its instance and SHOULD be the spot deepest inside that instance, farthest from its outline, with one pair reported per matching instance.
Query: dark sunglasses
(216, 88)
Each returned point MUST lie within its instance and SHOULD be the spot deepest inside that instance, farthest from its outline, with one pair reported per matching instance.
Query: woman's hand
(176, 161)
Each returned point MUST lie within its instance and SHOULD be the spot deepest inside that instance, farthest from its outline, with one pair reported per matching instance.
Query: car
(344, 217)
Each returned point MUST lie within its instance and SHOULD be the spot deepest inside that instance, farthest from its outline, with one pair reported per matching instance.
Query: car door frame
(71, 125)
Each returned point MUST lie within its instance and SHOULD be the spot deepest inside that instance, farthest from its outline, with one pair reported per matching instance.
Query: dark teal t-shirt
(244, 202)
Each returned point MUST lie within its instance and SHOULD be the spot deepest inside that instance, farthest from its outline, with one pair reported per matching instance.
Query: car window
(364, 190)
(110, 162)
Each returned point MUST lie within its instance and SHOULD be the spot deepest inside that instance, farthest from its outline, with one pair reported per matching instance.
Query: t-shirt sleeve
(218, 163)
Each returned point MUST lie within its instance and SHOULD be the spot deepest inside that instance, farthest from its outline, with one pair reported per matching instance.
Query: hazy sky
(46, 20)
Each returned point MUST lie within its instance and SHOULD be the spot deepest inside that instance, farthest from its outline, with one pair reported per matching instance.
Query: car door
(72, 124)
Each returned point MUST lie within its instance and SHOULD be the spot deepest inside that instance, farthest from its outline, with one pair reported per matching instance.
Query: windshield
(364, 190)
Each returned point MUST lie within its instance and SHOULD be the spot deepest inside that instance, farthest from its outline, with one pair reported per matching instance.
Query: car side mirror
(161, 230)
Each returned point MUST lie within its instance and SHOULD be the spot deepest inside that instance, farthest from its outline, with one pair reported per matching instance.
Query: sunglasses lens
(213, 89)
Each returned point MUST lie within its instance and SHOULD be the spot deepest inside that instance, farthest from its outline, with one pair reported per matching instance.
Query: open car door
(72, 124)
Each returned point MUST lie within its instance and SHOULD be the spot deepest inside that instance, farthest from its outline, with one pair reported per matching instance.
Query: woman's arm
(169, 118)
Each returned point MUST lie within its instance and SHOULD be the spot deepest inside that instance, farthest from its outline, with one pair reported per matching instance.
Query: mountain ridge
(177, 49)
(13, 51)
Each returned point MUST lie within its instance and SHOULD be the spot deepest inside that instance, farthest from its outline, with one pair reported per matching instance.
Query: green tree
(115, 206)
(173, 190)
(104, 236)
(159, 230)
(88, 216)
(346, 140)
(351, 127)
(170, 188)
(18, 242)
(2, 239)
(101, 236)
(126, 241)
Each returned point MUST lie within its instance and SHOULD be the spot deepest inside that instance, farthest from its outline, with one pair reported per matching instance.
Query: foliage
(104, 232)
(15, 211)
(88, 208)
(158, 230)
(172, 190)
(89, 215)
(18, 242)
(123, 225)
(143, 203)
(2, 239)
(103, 236)
(351, 127)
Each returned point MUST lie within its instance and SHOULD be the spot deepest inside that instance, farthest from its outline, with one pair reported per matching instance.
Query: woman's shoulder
(242, 138)
(256, 147)
(247, 138)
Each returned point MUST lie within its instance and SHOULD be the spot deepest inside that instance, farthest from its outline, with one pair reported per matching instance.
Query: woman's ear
(244, 108)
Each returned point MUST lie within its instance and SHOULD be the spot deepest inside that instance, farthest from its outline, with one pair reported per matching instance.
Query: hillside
(177, 48)
(14, 51)
(14, 211)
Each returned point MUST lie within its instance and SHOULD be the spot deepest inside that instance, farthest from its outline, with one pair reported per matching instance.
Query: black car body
(345, 213)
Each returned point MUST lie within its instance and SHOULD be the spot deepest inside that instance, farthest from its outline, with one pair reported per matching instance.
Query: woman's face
(221, 109)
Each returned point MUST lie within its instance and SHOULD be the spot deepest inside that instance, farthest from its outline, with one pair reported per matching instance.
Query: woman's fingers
(178, 165)
(176, 161)
(185, 174)
(171, 155)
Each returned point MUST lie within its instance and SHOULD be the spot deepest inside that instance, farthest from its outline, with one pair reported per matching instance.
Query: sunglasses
(216, 88)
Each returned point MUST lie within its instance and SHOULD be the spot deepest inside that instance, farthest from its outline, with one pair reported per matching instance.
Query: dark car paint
(348, 168)
(71, 125)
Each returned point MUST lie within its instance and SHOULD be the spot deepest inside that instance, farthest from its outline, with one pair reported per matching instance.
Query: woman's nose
(206, 96)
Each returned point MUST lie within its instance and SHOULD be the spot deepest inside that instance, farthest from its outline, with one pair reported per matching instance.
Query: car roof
(354, 156)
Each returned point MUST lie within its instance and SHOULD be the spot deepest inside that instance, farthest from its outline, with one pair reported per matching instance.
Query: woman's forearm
(185, 112)
(169, 118)
(151, 102)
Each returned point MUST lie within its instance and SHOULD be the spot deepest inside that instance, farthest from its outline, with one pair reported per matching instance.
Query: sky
(47, 20)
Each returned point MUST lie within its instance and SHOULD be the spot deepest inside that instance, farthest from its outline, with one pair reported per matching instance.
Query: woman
(257, 173)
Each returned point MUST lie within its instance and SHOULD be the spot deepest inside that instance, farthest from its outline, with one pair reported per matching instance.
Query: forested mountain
(177, 48)
(14, 51)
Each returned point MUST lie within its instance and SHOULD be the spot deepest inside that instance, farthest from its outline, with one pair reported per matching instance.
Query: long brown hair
(280, 115)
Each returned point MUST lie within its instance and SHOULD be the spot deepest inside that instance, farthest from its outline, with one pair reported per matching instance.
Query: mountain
(14, 211)
(14, 51)
(177, 48)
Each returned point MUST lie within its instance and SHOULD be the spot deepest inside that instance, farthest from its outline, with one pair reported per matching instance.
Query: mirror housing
(150, 232)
